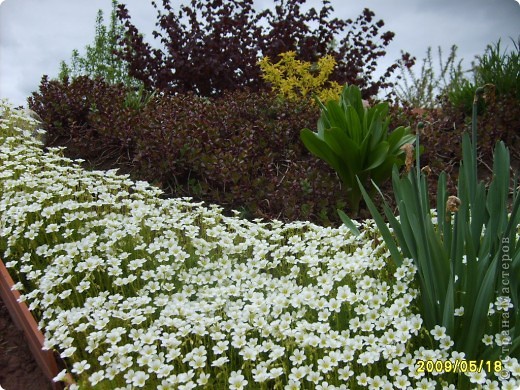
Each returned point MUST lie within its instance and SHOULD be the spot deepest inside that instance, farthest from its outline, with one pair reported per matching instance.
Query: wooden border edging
(24, 320)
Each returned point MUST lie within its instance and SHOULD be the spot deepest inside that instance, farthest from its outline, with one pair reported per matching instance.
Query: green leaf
(478, 322)
(385, 232)
(396, 135)
(338, 141)
(384, 171)
(376, 133)
(348, 223)
(336, 115)
(345, 149)
(468, 165)
(321, 149)
(448, 319)
(323, 124)
(499, 191)
(351, 96)
(316, 145)
(398, 138)
(514, 349)
(354, 129)
(378, 156)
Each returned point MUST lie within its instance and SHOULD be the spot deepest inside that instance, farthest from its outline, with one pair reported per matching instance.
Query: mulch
(18, 369)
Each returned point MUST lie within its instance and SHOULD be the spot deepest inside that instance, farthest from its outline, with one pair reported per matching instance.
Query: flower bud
(426, 170)
(408, 149)
(452, 204)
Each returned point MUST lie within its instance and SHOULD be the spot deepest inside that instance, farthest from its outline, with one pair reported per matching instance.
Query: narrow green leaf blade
(348, 223)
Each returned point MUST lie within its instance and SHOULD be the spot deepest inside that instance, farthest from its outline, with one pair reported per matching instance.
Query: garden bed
(136, 290)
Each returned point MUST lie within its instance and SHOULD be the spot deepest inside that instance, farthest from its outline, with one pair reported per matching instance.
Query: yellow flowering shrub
(295, 80)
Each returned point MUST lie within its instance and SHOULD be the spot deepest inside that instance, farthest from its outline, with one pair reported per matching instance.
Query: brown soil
(18, 369)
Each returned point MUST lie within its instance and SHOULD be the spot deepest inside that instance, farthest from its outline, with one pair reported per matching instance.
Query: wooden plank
(24, 320)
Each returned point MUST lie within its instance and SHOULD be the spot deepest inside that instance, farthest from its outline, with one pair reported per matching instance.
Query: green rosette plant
(354, 140)
(468, 261)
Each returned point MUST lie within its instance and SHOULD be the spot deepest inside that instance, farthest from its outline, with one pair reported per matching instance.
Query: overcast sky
(35, 35)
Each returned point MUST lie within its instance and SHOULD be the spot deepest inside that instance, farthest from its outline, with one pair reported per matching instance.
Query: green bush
(448, 115)
(100, 60)
(496, 67)
(453, 84)
(422, 91)
(355, 141)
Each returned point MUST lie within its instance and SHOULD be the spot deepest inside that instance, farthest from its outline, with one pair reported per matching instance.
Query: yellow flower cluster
(296, 80)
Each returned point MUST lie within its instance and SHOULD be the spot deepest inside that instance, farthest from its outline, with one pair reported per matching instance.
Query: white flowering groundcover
(135, 291)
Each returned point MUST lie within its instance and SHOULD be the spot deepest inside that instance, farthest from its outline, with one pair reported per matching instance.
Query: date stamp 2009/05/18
(458, 366)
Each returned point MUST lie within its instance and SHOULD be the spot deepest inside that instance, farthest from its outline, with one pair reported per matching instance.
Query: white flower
(510, 384)
(477, 377)
(96, 377)
(79, 367)
(61, 376)
(68, 352)
(502, 339)
(325, 386)
(197, 361)
(298, 373)
(362, 379)
(298, 357)
(425, 384)
(237, 380)
(401, 382)
(438, 332)
(203, 379)
(446, 343)
(487, 339)
(139, 378)
(220, 361)
(345, 373)
(459, 312)
(325, 364)
(260, 373)
(395, 367)
(314, 377)
(503, 303)
(291, 385)
(249, 353)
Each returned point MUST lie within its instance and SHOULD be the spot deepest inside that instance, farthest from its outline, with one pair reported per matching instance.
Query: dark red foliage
(240, 150)
(289, 30)
(358, 53)
(89, 112)
(499, 121)
(213, 46)
(442, 136)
